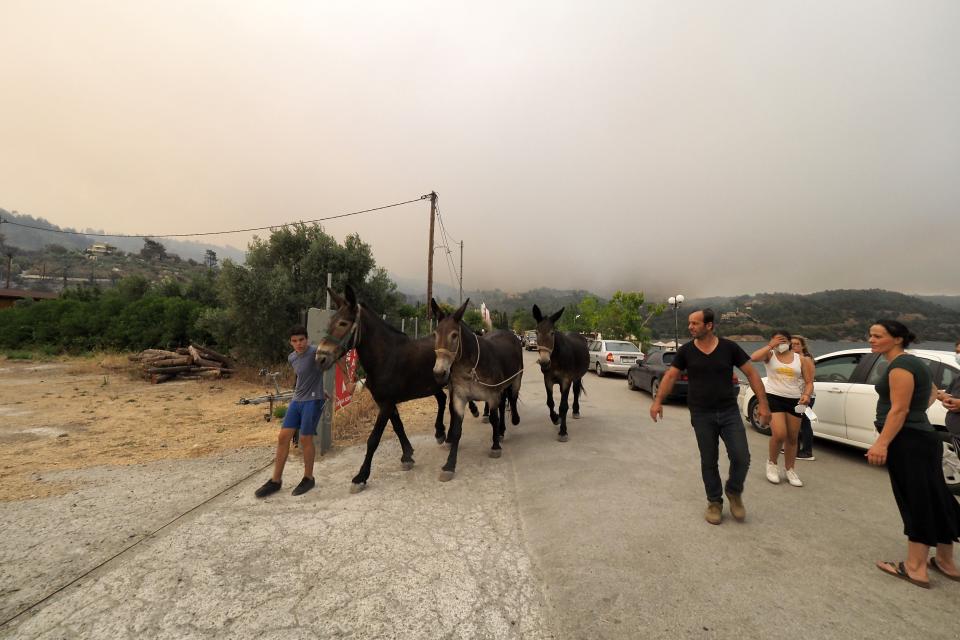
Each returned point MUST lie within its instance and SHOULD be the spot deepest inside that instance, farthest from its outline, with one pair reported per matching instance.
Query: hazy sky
(698, 147)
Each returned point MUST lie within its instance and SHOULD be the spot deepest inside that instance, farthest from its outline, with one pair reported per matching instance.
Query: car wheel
(753, 412)
(630, 384)
(599, 370)
(951, 469)
(654, 388)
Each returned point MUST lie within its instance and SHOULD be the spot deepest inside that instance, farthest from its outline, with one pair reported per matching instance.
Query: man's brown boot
(737, 510)
(714, 513)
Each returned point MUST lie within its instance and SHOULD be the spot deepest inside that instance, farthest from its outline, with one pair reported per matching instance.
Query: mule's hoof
(496, 453)
(441, 440)
(485, 419)
(563, 437)
(406, 465)
(555, 420)
(576, 416)
(515, 420)
(445, 476)
(474, 412)
(357, 487)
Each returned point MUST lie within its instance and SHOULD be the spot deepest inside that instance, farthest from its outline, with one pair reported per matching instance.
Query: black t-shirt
(711, 376)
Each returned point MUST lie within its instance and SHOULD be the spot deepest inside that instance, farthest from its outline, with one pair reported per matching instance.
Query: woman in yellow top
(785, 371)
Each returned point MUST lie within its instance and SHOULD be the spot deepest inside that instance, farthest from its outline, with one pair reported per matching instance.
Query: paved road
(600, 537)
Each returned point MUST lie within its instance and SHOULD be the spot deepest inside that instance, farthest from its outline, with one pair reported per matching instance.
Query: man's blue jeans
(711, 427)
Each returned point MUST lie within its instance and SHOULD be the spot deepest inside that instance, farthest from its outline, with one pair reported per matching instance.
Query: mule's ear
(437, 311)
(351, 295)
(458, 314)
(337, 298)
(557, 315)
(537, 314)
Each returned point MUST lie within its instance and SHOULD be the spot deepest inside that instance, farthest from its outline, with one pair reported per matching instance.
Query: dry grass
(73, 413)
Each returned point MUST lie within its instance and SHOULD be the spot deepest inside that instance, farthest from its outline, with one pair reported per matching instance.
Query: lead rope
(476, 378)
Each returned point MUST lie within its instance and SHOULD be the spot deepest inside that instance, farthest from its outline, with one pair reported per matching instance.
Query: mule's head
(545, 334)
(342, 329)
(449, 341)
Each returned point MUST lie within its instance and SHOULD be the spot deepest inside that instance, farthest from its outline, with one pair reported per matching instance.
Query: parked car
(530, 340)
(647, 374)
(613, 356)
(846, 403)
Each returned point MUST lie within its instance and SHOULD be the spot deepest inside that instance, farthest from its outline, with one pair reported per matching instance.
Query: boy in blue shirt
(303, 414)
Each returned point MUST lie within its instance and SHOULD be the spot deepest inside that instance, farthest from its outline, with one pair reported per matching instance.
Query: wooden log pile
(195, 362)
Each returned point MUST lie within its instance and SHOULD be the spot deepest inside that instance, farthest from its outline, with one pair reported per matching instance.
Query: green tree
(522, 320)
(153, 250)
(283, 276)
(626, 316)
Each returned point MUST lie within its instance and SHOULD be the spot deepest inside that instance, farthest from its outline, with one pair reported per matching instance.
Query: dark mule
(398, 369)
(563, 358)
(487, 368)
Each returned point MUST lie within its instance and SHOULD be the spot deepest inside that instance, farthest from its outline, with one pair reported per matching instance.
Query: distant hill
(950, 302)
(844, 314)
(33, 239)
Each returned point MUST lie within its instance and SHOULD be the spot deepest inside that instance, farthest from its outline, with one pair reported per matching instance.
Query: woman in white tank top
(789, 383)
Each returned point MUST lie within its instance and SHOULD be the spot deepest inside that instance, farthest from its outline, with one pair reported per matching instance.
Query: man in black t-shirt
(709, 361)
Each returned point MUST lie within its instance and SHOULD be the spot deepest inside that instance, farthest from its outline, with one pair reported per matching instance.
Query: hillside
(844, 314)
(35, 240)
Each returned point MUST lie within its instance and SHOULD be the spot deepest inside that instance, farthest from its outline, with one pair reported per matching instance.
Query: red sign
(346, 380)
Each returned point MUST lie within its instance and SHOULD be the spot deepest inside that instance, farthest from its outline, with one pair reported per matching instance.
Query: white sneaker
(773, 472)
(793, 478)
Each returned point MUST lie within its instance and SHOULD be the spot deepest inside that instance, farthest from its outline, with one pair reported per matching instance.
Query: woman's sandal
(936, 567)
(899, 571)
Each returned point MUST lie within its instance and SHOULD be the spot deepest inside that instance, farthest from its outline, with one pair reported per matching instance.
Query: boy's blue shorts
(303, 415)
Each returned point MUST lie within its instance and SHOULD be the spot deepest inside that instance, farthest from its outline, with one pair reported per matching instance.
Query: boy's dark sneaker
(805, 456)
(305, 485)
(268, 487)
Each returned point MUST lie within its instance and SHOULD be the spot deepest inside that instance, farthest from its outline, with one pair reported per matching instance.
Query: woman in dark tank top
(910, 447)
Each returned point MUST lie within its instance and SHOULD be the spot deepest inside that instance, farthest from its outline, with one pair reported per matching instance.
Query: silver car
(613, 356)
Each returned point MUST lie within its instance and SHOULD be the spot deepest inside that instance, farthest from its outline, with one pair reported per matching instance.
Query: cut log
(184, 351)
(170, 369)
(157, 378)
(209, 354)
(158, 352)
(177, 361)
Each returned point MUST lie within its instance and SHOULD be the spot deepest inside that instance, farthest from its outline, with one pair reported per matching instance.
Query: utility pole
(433, 218)
(10, 266)
(461, 272)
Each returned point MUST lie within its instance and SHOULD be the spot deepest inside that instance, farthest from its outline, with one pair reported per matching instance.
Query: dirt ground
(75, 413)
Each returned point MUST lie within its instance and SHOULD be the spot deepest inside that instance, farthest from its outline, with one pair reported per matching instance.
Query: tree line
(248, 308)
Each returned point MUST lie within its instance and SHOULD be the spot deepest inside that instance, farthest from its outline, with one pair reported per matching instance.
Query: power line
(208, 233)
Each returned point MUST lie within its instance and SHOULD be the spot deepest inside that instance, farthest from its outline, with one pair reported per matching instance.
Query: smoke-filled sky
(700, 147)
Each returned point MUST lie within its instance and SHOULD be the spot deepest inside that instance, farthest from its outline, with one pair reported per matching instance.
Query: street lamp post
(675, 302)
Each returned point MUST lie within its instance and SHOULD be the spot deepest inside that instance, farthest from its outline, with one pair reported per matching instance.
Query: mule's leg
(373, 441)
(406, 457)
(554, 418)
(439, 432)
(564, 395)
(456, 428)
(496, 425)
(473, 409)
(486, 413)
(576, 398)
(503, 412)
(513, 394)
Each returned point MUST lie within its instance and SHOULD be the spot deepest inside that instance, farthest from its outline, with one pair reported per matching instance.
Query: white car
(846, 402)
(612, 356)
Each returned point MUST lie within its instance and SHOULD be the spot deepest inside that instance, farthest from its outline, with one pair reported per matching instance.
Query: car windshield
(622, 346)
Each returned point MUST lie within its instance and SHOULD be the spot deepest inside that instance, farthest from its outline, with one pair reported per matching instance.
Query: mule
(563, 359)
(398, 369)
(488, 368)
